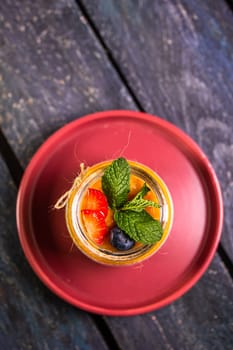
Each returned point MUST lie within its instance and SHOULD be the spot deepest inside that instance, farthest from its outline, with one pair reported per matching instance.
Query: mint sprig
(138, 203)
(140, 226)
(115, 183)
(130, 216)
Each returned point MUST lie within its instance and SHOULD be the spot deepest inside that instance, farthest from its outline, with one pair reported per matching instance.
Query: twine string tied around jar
(61, 202)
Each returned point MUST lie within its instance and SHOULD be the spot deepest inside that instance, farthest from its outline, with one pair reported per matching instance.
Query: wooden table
(63, 59)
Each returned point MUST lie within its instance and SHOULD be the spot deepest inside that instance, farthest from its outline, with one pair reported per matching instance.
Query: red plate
(198, 213)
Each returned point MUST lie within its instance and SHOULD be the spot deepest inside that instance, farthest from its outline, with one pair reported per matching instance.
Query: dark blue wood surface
(62, 59)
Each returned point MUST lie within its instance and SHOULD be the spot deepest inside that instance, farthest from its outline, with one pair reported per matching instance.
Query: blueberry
(120, 240)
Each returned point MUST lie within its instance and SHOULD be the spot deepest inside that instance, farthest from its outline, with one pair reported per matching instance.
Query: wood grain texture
(31, 317)
(177, 57)
(52, 71)
(200, 320)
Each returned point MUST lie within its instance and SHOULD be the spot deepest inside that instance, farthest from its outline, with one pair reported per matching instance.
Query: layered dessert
(118, 212)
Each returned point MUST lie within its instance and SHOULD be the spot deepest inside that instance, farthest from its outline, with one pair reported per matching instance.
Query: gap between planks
(229, 4)
(226, 260)
(106, 332)
(109, 55)
(10, 159)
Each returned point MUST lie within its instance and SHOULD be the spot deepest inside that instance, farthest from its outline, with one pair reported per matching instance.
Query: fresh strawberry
(95, 200)
(95, 225)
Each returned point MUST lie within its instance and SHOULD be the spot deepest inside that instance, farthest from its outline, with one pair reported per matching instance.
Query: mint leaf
(115, 183)
(138, 203)
(130, 216)
(140, 226)
(143, 191)
(151, 232)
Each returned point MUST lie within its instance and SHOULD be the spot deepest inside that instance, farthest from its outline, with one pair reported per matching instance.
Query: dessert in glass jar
(118, 212)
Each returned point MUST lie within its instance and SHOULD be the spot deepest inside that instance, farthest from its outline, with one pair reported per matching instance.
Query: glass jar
(104, 253)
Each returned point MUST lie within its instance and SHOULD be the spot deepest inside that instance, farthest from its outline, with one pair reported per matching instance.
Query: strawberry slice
(95, 225)
(95, 200)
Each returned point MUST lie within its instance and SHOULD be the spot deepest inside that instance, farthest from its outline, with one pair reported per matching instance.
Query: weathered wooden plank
(202, 319)
(31, 317)
(52, 71)
(178, 58)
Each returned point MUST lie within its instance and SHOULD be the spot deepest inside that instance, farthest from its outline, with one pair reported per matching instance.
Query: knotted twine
(62, 201)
